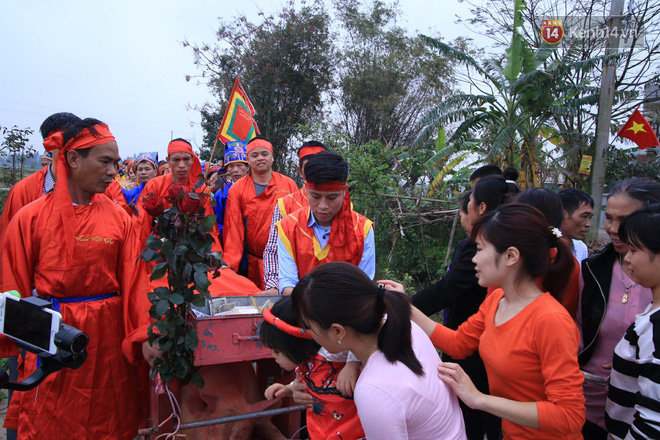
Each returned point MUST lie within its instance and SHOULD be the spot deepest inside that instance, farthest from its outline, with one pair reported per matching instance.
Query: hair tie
(380, 294)
(556, 235)
(286, 327)
(556, 232)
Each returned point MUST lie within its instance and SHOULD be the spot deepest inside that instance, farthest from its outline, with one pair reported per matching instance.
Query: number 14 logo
(552, 31)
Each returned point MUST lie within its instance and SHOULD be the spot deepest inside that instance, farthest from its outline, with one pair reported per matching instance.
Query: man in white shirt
(578, 210)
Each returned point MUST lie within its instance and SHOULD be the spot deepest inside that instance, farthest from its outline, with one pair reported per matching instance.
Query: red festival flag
(238, 124)
(638, 130)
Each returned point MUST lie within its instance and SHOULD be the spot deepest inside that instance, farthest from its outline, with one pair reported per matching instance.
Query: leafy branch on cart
(181, 249)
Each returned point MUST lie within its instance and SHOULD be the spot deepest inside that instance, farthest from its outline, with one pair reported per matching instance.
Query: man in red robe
(28, 190)
(185, 170)
(286, 205)
(249, 211)
(75, 248)
(328, 229)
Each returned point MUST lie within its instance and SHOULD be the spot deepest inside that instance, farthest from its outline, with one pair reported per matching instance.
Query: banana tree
(527, 92)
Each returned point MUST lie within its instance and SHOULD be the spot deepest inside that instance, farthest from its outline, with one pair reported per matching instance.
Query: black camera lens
(71, 339)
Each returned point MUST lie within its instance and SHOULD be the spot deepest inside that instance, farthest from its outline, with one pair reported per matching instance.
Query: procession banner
(238, 123)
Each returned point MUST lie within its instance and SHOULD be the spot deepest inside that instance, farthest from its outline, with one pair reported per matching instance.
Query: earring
(339, 342)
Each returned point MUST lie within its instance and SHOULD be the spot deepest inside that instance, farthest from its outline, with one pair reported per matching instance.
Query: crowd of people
(538, 338)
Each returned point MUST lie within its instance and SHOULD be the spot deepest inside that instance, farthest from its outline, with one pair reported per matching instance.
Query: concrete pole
(602, 138)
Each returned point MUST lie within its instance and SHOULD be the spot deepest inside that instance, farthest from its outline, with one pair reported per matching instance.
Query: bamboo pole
(451, 237)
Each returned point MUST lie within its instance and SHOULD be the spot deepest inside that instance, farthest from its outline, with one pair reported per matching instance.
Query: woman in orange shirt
(526, 338)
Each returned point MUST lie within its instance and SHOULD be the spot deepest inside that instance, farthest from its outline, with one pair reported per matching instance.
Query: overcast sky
(122, 61)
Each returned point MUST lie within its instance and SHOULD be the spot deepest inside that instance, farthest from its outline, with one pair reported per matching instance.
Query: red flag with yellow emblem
(638, 130)
(238, 124)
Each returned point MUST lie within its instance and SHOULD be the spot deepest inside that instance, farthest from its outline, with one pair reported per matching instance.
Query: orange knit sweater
(530, 358)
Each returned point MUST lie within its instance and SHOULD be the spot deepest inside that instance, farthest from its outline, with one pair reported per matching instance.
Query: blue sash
(56, 301)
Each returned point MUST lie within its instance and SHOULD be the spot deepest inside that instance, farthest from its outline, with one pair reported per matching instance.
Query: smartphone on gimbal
(29, 324)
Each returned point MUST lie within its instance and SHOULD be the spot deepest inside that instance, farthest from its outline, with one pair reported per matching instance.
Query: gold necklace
(624, 299)
(371, 351)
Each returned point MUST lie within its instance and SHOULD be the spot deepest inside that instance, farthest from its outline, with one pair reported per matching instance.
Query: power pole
(602, 139)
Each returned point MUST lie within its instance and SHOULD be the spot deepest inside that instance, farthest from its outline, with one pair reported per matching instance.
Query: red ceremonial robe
(23, 192)
(160, 186)
(293, 202)
(229, 283)
(100, 399)
(300, 241)
(247, 222)
(115, 194)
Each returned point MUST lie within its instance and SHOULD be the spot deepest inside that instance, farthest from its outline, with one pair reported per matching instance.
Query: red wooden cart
(227, 345)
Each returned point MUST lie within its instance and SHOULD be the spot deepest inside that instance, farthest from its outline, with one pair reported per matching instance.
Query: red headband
(332, 186)
(179, 147)
(84, 139)
(307, 151)
(285, 327)
(259, 143)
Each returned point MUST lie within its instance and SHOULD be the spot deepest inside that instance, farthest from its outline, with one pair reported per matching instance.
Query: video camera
(39, 330)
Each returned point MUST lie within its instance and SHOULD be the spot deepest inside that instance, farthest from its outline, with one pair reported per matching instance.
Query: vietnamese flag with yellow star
(638, 130)
(238, 124)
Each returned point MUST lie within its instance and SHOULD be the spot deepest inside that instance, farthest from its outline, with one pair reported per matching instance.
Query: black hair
(510, 173)
(524, 227)
(493, 191)
(75, 129)
(572, 198)
(57, 121)
(309, 144)
(326, 166)
(640, 189)
(640, 229)
(465, 201)
(486, 170)
(297, 350)
(546, 201)
(341, 293)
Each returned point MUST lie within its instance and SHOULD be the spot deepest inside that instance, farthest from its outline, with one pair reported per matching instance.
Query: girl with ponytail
(526, 338)
(397, 394)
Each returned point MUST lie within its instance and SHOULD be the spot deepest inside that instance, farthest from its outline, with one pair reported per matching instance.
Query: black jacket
(459, 289)
(597, 275)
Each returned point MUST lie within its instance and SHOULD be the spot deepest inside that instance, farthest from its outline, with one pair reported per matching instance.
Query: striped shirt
(49, 182)
(633, 399)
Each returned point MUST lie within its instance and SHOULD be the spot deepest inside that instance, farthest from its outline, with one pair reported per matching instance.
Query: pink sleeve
(556, 341)
(372, 416)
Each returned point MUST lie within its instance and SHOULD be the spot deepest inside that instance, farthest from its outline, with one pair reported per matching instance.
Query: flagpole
(215, 145)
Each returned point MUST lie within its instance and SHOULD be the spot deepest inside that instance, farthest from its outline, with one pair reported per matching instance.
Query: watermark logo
(552, 31)
(592, 30)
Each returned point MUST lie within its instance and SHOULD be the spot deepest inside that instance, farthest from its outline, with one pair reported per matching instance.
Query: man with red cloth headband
(287, 205)
(28, 190)
(250, 203)
(186, 170)
(75, 248)
(328, 229)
